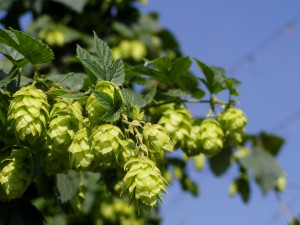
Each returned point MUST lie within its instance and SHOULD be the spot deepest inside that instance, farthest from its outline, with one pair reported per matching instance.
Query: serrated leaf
(271, 143)
(232, 85)
(67, 185)
(104, 53)
(30, 48)
(208, 73)
(10, 77)
(116, 73)
(264, 166)
(101, 67)
(180, 66)
(220, 163)
(113, 105)
(14, 56)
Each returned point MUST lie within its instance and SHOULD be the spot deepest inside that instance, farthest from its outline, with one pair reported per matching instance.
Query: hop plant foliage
(28, 115)
(115, 123)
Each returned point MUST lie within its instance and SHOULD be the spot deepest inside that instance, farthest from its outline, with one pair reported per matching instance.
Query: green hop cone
(106, 145)
(67, 105)
(96, 110)
(61, 131)
(16, 170)
(28, 115)
(177, 123)
(144, 182)
(193, 145)
(211, 137)
(233, 122)
(80, 156)
(157, 141)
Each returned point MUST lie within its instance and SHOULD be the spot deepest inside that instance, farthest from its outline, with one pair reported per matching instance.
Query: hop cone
(61, 131)
(67, 105)
(106, 145)
(80, 155)
(143, 181)
(233, 122)
(157, 140)
(177, 124)
(193, 145)
(211, 137)
(28, 114)
(95, 109)
(15, 172)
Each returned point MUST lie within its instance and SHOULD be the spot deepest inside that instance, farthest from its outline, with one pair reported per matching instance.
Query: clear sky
(257, 42)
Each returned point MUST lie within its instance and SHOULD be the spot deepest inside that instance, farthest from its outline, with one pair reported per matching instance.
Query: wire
(251, 55)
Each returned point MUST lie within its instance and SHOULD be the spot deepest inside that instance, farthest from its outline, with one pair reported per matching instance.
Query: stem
(178, 101)
(284, 208)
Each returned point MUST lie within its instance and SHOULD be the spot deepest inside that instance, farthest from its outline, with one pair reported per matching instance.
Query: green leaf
(264, 166)
(271, 143)
(243, 187)
(101, 66)
(116, 73)
(231, 85)
(67, 185)
(220, 163)
(103, 52)
(180, 66)
(113, 105)
(76, 6)
(123, 30)
(30, 48)
(208, 73)
(138, 99)
(10, 77)
(15, 57)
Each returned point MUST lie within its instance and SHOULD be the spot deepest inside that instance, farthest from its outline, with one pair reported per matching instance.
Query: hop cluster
(144, 181)
(15, 172)
(28, 115)
(233, 122)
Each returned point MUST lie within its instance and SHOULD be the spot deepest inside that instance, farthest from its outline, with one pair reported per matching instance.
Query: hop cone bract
(28, 114)
(143, 181)
(15, 172)
(211, 137)
(106, 145)
(157, 140)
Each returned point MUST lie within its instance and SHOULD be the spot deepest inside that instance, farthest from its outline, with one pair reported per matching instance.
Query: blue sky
(263, 36)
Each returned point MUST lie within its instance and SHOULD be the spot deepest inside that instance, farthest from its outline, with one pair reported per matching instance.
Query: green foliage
(103, 119)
